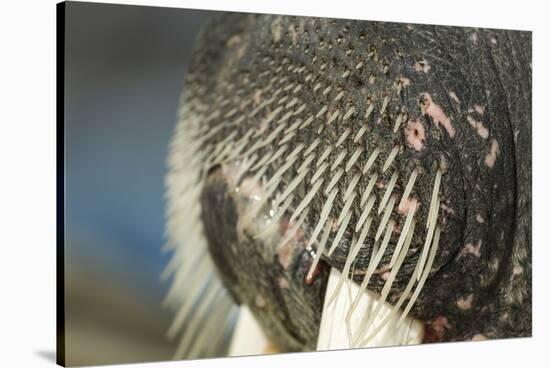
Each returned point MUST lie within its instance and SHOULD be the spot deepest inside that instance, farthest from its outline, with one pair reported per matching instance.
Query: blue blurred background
(125, 67)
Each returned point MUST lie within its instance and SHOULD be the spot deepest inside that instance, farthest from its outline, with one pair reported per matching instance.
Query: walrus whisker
(372, 266)
(349, 113)
(244, 167)
(351, 186)
(282, 149)
(324, 155)
(279, 173)
(263, 161)
(435, 192)
(271, 137)
(389, 282)
(292, 102)
(295, 152)
(395, 309)
(333, 117)
(340, 233)
(276, 217)
(305, 165)
(338, 159)
(216, 318)
(292, 186)
(388, 192)
(343, 137)
(184, 310)
(321, 111)
(354, 158)
(360, 133)
(385, 218)
(320, 248)
(345, 209)
(368, 190)
(427, 243)
(398, 121)
(296, 226)
(306, 123)
(325, 212)
(287, 137)
(298, 111)
(408, 188)
(334, 180)
(312, 146)
(384, 104)
(309, 196)
(202, 313)
(353, 250)
(257, 177)
(369, 110)
(370, 161)
(267, 195)
(390, 158)
(365, 213)
(319, 172)
(241, 144)
(425, 273)
(404, 232)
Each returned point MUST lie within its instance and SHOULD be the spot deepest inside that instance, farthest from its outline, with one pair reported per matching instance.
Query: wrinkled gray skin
(467, 96)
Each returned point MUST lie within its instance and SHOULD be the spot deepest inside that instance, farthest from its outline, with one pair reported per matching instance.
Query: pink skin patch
(438, 326)
(276, 29)
(466, 302)
(293, 34)
(422, 66)
(437, 114)
(283, 283)
(479, 218)
(454, 97)
(415, 134)
(517, 270)
(447, 209)
(469, 248)
(479, 109)
(251, 188)
(404, 81)
(478, 126)
(491, 157)
(259, 301)
(385, 268)
(479, 337)
(257, 97)
(287, 249)
(285, 253)
(404, 208)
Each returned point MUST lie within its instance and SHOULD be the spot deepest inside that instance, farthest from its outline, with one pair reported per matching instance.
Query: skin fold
(449, 100)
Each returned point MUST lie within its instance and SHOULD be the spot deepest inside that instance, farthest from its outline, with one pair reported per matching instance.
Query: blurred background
(125, 67)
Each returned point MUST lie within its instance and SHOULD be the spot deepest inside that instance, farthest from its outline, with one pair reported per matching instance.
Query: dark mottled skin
(288, 309)
(477, 127)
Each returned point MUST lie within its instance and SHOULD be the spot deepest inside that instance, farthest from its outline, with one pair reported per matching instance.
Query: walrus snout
(394, 153)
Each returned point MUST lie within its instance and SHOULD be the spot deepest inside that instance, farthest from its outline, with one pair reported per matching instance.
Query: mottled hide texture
(399, 154)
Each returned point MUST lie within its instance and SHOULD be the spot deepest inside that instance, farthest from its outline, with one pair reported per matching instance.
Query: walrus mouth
(274, 225)
(329, 176)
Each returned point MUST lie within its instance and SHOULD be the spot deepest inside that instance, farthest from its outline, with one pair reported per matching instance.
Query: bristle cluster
(205, 312)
